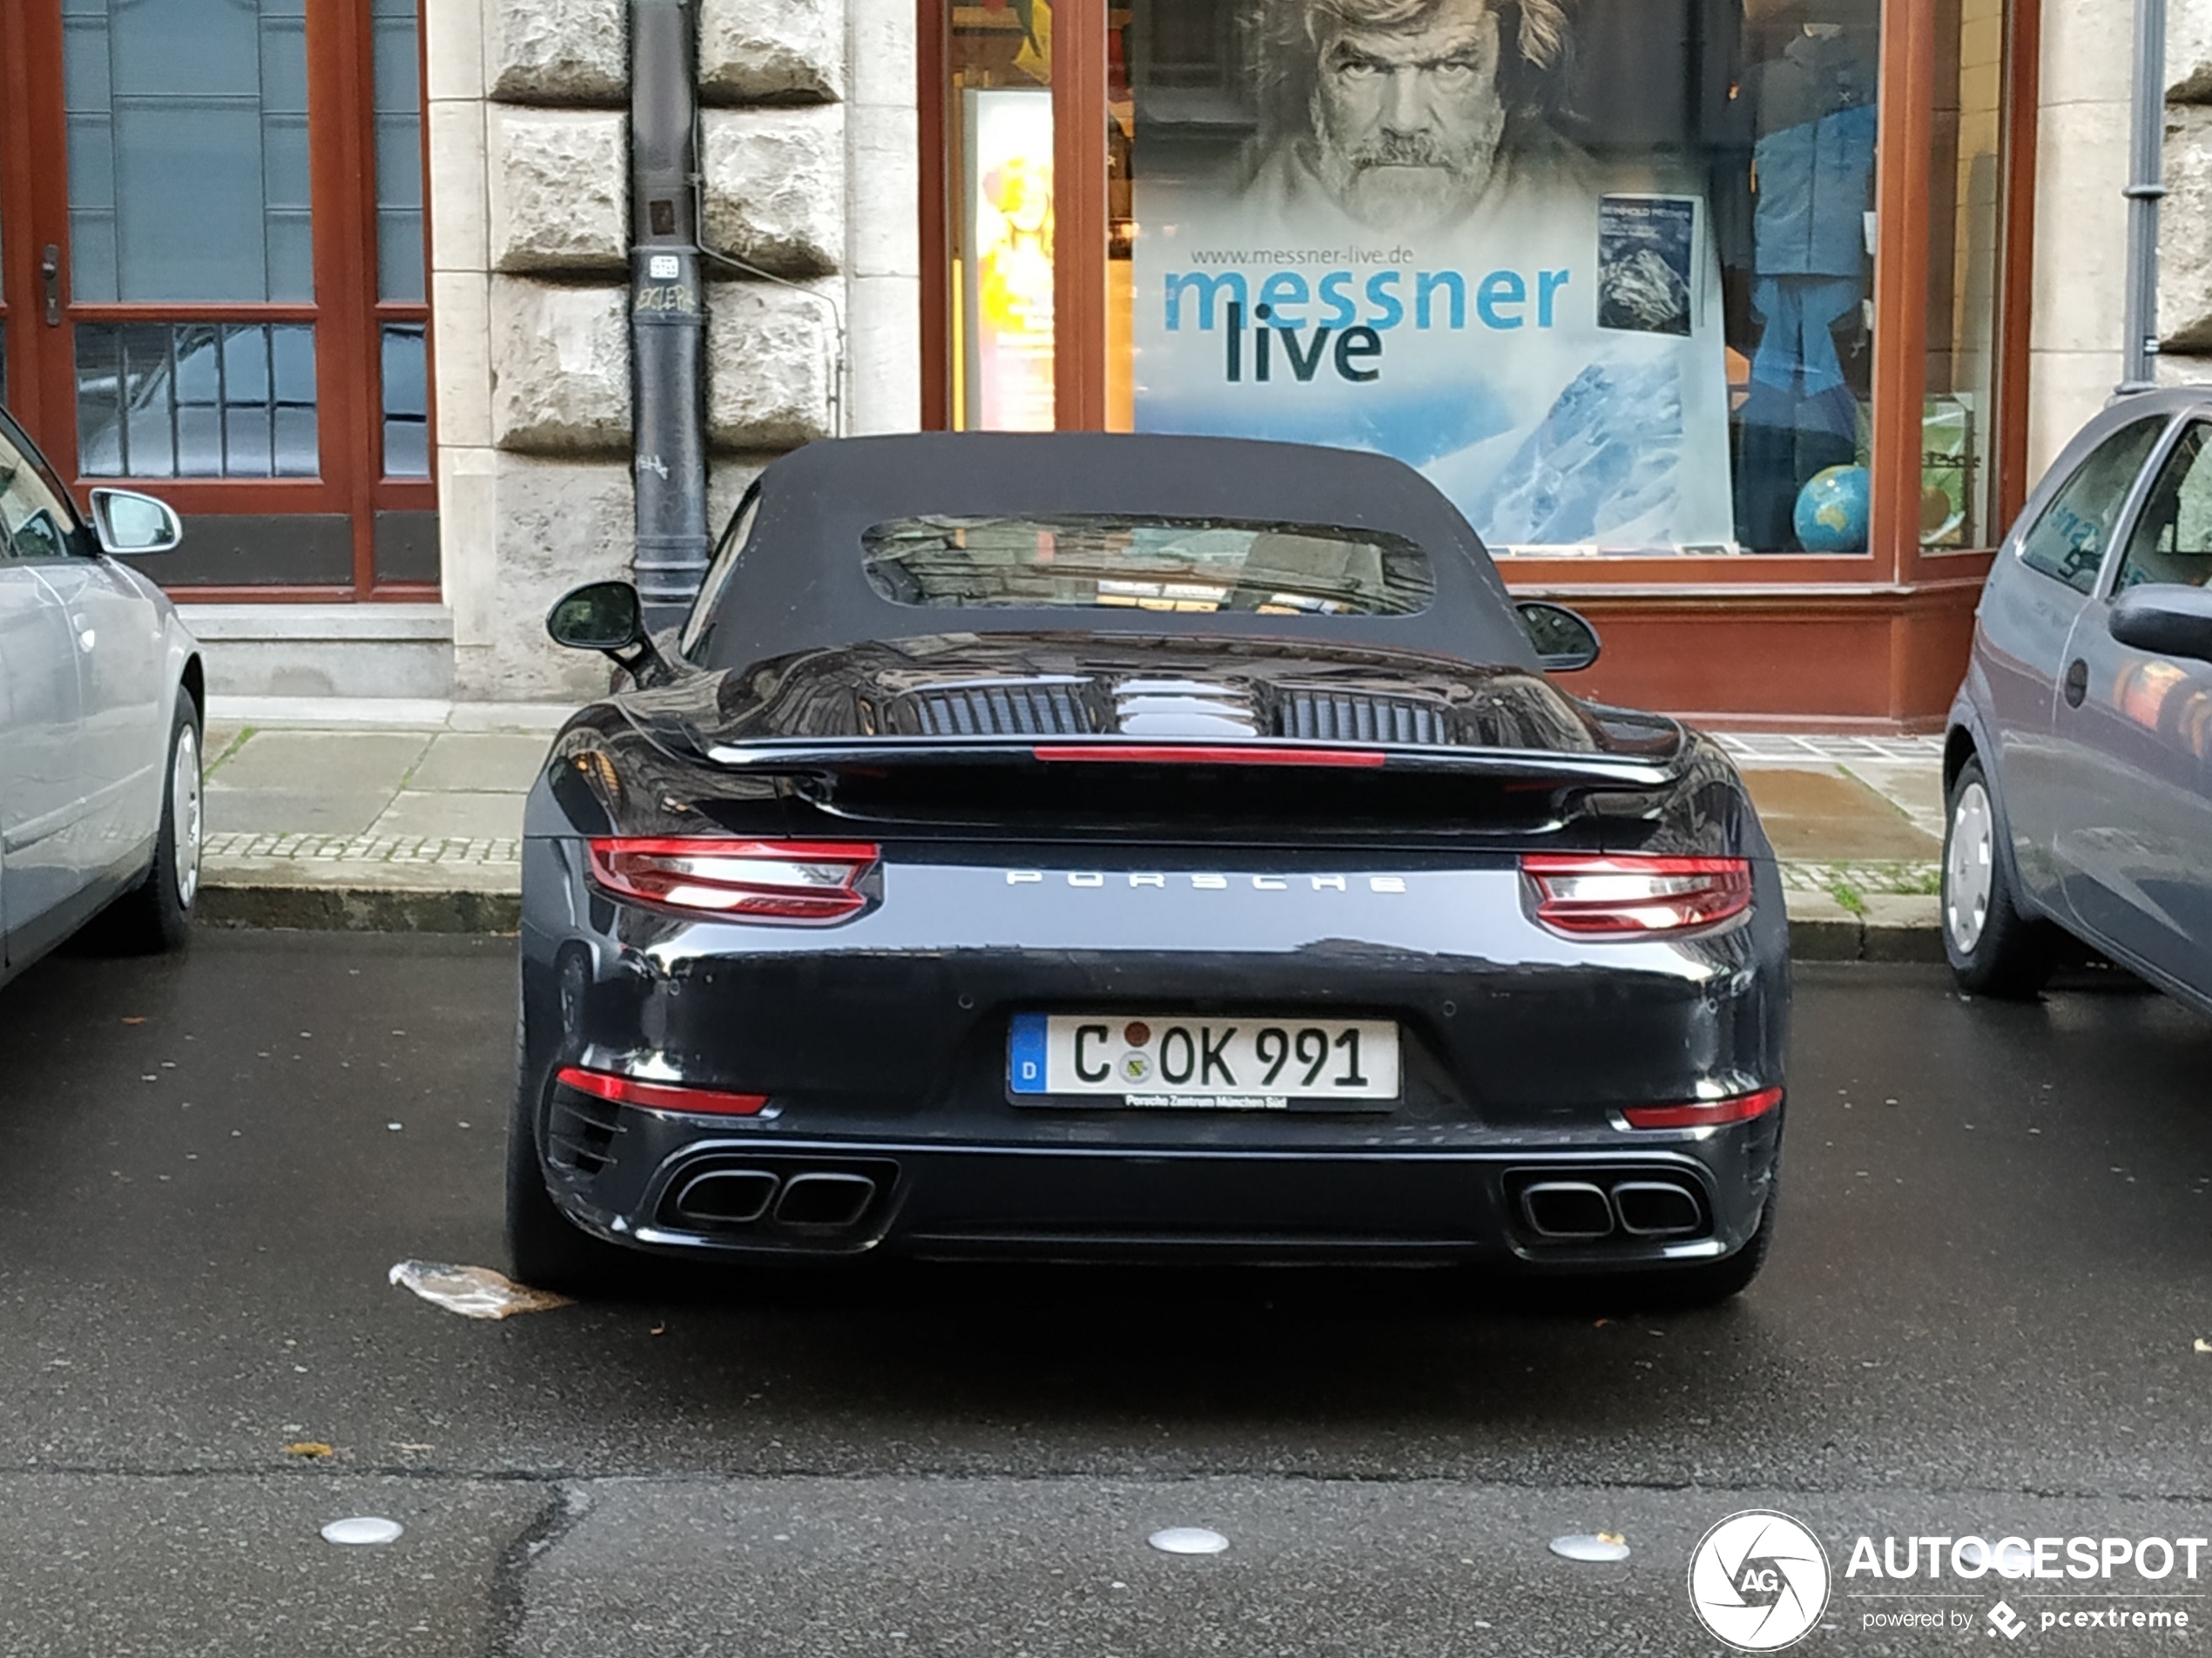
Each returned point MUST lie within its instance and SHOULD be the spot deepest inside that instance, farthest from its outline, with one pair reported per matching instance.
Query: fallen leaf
(2203, 1345)
(308, 1448)
(134, 1019)
(1611, 1537)
(659, 1329)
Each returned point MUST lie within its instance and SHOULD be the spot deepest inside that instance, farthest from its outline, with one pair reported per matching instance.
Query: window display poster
(1007, 297)
(1409, 257)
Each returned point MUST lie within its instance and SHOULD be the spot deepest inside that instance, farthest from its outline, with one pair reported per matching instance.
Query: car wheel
(1994, 949)
(156, 915)
(544, 1247)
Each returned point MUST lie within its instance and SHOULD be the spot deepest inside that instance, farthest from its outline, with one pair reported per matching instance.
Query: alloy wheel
(1969, 870)
(185, 808)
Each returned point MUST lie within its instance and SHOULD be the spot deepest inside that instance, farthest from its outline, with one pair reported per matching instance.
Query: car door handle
(87, 638)
(2077, 682)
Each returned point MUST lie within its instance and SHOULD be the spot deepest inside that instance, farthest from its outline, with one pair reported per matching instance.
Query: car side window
(2172, 539)
(2069, 540)
(726, 556)
(34, 523)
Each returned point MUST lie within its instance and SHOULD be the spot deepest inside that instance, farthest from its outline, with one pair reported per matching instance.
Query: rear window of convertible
(1197, 565)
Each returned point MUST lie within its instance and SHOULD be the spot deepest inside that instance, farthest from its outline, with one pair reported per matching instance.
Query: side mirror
(132, 525)
(2166, 618)
(1565, 641)
(601, 615)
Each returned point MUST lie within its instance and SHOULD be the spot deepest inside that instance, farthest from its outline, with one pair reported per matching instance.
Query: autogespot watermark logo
(1758, 1580)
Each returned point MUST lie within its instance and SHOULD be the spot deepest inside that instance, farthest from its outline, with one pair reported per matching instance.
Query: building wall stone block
(560, 524)
(560, 367)
(560, 189)
(2189, 51)
(775, 187)
(2185, 232)
(558, 51)
(771, 368)
(771, 50)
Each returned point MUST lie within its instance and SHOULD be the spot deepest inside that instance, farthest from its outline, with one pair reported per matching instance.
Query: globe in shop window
(1599, 270)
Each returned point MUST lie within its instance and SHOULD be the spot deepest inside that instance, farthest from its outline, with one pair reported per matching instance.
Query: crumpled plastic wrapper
(473, 1291)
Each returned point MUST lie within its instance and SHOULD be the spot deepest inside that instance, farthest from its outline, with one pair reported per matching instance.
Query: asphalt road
(1980, 1316)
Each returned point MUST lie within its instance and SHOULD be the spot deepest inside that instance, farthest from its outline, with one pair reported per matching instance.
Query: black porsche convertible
(1076, 847)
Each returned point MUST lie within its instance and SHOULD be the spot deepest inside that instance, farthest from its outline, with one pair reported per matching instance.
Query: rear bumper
(882, 1045)
(672, 1187)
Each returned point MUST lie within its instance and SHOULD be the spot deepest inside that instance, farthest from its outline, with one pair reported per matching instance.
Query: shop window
(999, 135)
(1958, 481)
(1603, 273)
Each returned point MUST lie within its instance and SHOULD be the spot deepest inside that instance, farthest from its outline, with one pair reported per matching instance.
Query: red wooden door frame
(346, 313)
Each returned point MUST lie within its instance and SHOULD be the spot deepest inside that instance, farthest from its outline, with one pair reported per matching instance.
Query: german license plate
(1174, 1062)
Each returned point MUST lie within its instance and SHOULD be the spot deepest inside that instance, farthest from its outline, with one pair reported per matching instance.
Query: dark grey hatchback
(1074, 847)
(2079, 764)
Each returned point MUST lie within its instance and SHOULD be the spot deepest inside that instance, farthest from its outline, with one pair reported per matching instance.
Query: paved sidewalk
(407, 815)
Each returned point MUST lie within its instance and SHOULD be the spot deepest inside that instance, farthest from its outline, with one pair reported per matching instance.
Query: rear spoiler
(883, 756)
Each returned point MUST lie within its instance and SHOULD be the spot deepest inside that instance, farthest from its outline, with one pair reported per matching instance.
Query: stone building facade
(809, 154)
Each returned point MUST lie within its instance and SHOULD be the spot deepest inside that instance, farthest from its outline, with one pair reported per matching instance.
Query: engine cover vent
(996, 707)
(1358, 717)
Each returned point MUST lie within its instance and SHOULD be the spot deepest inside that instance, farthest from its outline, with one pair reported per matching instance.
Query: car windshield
(1196, 565)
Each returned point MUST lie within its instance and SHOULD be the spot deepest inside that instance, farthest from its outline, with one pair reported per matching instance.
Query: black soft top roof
(802, 585)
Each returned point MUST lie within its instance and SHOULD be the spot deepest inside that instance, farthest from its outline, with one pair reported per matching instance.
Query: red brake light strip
(1197, 754)
(660, 1096)
(1704, 1114)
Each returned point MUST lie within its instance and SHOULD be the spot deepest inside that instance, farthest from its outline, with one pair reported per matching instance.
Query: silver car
(102, 702)
(2078, 763)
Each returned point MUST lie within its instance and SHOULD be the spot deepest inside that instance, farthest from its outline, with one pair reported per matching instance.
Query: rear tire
(1994, 947)
(155, 916)
(1716, 1281)
(546, 1250)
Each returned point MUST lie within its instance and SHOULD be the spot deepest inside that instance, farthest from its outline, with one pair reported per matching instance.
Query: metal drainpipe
(667, 313)
(2145, 189)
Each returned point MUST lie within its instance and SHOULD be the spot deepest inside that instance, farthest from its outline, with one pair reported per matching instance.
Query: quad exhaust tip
(727, 1196)
(1583, 1211)
(824, 1201)
(812, 1200)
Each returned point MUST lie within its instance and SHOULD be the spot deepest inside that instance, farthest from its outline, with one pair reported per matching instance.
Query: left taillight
(1626, 896)
(803, 883)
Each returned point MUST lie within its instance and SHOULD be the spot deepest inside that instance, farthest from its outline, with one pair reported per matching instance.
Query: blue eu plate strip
(1025, 1054)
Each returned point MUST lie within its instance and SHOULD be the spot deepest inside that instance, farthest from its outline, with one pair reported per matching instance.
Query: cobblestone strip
(364, 849)
(1864, 878)
(1776, 746)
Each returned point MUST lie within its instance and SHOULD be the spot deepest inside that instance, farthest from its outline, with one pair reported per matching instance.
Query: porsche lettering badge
(1207, 883)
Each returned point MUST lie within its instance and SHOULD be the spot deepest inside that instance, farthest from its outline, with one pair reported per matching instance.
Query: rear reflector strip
(660, 1096)
(1704, 1114)
(1196, 754)
(796, 882)
(1620, 896)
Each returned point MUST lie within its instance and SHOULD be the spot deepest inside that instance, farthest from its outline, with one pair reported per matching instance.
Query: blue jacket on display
(1813, 183)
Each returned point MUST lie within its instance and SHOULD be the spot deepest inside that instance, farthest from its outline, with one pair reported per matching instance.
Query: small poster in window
(1644, 248)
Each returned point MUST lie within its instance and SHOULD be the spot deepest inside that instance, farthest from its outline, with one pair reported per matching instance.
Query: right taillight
(1626, 896)
(1704, 1113)
(795, 882)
